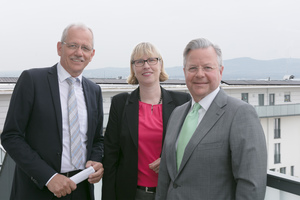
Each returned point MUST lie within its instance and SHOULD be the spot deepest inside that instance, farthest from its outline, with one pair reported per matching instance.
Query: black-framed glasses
(141, 62)
(75, 46)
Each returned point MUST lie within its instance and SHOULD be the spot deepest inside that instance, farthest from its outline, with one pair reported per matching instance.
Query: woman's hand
(155, 165)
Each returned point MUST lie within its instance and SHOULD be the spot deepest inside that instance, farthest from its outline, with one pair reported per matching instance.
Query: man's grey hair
(202, 43)
(78, 25)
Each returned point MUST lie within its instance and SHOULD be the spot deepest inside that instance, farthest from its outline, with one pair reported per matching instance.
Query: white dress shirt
(66, 164)
(205, 103)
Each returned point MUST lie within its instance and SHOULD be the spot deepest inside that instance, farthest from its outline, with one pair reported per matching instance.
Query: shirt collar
(63, 74)
(206, 101)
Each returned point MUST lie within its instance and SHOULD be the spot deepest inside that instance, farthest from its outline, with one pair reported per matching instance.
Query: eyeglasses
(141, 62)
(194, 69)
(75, 46)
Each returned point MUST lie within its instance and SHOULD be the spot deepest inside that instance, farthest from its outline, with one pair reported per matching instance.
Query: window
(292, 170)
(282, 170)
(273, 169)
(287, 97)
(261, 99)
(277, 128)
(277, 153)
(272, 99)
(245, 97)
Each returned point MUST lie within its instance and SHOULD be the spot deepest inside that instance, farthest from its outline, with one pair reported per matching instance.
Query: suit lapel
(175, 129)
(168, 107)
(211, 117)
(132, 116)
(88, 98)
(54, 88)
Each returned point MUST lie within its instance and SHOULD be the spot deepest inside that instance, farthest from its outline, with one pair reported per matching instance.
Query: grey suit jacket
(225, 159)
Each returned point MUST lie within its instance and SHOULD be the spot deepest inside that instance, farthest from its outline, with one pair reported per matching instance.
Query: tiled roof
(261, 82)
(124, 81)
(7, 80)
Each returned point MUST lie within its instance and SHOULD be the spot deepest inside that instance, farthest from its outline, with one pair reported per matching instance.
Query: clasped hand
(61, 185)
(155, 165)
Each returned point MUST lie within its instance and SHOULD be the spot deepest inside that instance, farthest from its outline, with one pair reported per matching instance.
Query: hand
(155, 165)
(61, 185)
(99, 170)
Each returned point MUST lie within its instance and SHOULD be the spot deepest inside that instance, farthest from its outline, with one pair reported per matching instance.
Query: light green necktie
(187, 130)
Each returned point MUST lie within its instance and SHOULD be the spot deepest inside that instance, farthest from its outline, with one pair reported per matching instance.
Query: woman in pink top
(136, 129)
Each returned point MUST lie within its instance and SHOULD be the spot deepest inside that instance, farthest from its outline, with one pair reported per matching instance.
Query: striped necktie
(188, 128)
(75, 140)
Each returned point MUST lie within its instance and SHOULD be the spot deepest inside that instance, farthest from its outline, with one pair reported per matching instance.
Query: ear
(161, 64)
(92, 55)
(221, 70)
(183, 70)
(160, 69)
(59, 46)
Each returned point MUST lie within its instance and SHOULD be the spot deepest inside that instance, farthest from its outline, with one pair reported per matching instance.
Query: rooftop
(12, 80)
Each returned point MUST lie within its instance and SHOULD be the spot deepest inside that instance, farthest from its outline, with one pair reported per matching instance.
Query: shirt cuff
(50, 179)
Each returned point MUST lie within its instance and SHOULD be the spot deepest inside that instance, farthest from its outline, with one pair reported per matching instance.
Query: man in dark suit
(225, 155)
(37, 134)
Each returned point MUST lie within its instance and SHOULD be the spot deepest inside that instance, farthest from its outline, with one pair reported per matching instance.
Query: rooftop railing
(278, 110)
(2, 155)
(279, 186)
(282, 187)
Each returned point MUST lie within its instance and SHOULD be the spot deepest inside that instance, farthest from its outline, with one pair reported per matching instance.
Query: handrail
(283, 182)
(2, 155)
(1, 147)
(275, 180)
(278, 110)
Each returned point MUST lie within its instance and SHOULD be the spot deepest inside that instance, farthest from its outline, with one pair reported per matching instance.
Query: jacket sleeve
(249, 154)
(97, 143)
(163, 179)
(14, 132)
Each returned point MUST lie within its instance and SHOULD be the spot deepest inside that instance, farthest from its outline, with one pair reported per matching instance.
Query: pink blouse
(150, 142)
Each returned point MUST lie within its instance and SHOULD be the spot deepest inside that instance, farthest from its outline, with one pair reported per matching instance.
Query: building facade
(276, 102)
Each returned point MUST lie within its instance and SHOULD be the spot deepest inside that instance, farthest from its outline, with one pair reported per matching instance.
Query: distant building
(278, 106)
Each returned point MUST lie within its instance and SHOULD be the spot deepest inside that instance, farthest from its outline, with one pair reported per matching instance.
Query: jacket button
(175, 185)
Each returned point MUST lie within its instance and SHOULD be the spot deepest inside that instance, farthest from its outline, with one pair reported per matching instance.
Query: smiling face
(75, 60)
(147, 74)
(202, 82)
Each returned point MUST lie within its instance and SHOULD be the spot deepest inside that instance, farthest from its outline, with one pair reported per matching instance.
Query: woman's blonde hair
(145, 49)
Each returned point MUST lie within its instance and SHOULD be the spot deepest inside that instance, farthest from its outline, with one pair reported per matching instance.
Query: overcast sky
(260, 29)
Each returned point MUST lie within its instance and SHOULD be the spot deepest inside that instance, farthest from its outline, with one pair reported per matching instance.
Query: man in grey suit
(225, 158)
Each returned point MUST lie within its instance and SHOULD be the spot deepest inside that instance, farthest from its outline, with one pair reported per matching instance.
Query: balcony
(7, 167)
(278, 110)
(280, 186)
(2, 155)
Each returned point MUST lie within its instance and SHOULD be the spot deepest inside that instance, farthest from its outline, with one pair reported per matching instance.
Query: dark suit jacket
(226, 157)
(32, 133)
(121, 142)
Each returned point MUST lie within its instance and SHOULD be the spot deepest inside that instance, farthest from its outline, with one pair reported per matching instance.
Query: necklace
(159, 102)
(160, 99)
